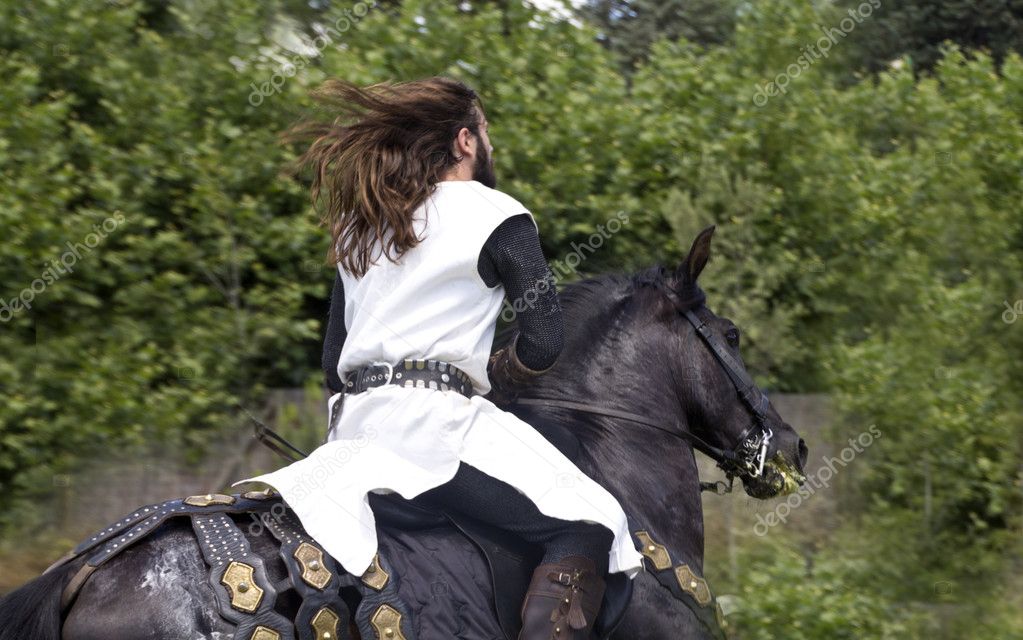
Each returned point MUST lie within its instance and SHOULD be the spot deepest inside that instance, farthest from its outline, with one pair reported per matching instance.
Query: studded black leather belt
(419, 374)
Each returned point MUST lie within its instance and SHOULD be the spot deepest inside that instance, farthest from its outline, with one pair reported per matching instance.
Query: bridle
(746, 460)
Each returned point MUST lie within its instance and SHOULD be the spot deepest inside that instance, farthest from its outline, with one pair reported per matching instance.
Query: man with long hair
(426, 251)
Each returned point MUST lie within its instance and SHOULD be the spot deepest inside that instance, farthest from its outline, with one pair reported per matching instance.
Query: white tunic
(432, 304)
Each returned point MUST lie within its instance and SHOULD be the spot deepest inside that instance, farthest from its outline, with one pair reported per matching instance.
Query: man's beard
(483, 169)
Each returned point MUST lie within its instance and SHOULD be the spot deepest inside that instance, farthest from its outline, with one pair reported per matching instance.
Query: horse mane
(590, 306)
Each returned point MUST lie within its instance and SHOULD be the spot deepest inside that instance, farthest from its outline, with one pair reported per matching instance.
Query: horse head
(723, 406)
(644, 354)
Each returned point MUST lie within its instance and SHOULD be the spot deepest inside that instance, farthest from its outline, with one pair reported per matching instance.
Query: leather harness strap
(707, 448)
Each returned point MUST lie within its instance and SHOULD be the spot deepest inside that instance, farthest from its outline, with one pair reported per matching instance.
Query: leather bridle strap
(751, 395)
(718, 454)
(748, 390)
(721, 456)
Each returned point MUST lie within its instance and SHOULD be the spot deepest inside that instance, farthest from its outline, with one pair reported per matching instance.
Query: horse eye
(733, 337)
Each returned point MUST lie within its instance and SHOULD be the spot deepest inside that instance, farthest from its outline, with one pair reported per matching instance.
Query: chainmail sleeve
(512, 256)
(336, 334)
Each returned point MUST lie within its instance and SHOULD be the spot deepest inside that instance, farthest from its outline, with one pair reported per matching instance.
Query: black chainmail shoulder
(512, 257)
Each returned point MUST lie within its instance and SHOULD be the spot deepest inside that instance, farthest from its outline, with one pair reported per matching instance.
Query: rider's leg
(570, 578)
(495, 502)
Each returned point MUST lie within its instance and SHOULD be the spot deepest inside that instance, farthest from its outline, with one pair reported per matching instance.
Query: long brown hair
(380, 158)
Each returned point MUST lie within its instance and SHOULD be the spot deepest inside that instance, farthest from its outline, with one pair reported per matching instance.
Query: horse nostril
(803, 454)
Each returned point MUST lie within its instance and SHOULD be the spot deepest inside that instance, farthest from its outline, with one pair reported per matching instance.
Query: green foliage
(629, 27)
(787, 595)
(161, 255)
(749, 272)
(856, 588)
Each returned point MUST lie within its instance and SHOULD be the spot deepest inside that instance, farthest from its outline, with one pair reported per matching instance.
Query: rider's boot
(562, 601)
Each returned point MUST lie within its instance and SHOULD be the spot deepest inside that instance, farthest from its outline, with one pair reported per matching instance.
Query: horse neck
(655, 478)
(651, 473)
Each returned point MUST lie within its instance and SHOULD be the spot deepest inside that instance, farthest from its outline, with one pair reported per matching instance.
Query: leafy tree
(630, 27)
(917, 29)
(162, 260)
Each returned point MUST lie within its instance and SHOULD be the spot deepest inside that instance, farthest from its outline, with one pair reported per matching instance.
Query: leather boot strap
(581, 584)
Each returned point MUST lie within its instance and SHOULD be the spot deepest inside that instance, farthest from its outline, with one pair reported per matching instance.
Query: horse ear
(699, 253)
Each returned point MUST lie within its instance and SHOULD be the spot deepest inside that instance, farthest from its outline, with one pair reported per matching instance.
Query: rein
(710, 450)
(747, 459)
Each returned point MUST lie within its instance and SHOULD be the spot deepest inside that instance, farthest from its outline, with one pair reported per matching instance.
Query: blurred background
(164, 285)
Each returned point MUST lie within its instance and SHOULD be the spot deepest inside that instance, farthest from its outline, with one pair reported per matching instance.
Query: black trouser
(495, 502)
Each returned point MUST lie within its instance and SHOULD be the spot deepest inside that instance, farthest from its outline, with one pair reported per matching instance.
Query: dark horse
(647, 374)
